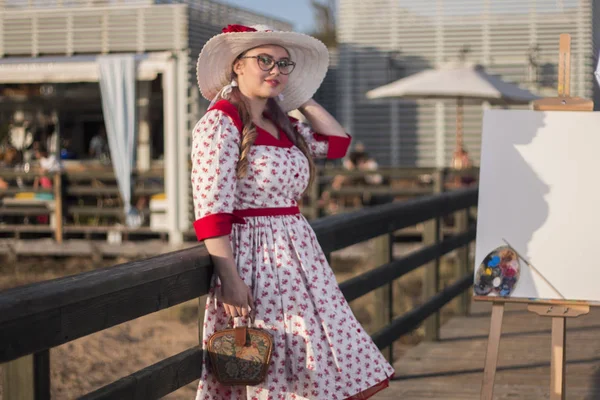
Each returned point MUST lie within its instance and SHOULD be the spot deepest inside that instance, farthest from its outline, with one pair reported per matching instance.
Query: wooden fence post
(431, 280)
(58, 208)
(462, 261)
(439, 177)
(28, 378)
(201, 313)
(431, 235)
(390, 294)
(383, 295)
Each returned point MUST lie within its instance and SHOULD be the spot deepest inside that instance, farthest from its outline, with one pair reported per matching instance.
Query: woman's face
(252, 78)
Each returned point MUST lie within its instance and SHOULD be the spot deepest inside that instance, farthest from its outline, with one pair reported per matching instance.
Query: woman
(250, 164)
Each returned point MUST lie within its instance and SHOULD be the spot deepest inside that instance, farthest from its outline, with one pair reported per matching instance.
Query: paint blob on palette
(498, 274)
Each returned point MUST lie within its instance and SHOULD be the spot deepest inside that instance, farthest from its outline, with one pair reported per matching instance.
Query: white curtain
(117, 74)
(597, 73)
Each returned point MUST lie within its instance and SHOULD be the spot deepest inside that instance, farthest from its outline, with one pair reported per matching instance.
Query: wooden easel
(564, 102)
(558, 310)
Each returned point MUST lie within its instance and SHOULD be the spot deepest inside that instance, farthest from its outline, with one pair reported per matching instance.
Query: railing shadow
(487, 314)
(504, 368)
(596, 384)
(517, 334)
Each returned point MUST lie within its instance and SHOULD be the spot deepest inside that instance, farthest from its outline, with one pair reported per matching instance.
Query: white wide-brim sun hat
(311, 56)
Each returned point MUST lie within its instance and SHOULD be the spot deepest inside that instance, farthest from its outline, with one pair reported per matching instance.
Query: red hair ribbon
(238, 28)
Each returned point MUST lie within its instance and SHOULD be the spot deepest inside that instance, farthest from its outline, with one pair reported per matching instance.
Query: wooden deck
(452, 368)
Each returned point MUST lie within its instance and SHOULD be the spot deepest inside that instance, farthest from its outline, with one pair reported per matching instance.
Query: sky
(297, 12)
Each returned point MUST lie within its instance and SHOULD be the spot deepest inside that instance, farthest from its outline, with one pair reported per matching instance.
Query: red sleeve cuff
(216, 225)
(338, 145)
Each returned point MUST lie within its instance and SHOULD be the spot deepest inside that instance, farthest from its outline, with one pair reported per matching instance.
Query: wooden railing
(97, 184)
(399, 183)
(40, 316)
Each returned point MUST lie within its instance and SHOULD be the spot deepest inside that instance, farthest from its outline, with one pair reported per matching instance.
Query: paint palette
(498, 274)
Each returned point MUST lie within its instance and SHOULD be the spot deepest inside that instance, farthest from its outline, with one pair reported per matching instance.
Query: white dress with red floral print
(320, 350)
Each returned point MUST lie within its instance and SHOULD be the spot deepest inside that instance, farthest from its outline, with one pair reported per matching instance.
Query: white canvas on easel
(539, 190)
(537, 207)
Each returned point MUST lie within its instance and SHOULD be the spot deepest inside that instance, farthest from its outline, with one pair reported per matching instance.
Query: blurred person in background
(48, 166)
(98, 148)
(357, 161)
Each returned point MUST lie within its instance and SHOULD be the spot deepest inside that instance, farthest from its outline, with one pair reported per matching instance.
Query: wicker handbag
(240, 356)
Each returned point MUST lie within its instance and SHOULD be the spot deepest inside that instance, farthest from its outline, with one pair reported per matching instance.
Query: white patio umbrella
(467, 83)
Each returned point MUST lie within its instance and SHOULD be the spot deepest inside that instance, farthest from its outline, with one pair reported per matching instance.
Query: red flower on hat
(238, 28)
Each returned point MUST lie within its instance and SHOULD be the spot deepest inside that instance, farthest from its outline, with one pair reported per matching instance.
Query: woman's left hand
(320, 120)
(309, 102)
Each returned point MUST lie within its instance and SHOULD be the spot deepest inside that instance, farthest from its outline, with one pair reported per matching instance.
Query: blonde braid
(249, 133)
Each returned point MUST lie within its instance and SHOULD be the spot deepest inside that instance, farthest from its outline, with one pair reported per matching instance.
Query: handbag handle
(241, 332)
(250, 320)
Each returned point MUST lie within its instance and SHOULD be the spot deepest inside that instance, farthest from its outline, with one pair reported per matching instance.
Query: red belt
(267, 211)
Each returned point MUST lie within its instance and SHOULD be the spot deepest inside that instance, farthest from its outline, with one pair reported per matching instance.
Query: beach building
(50, 57)
(384, 40)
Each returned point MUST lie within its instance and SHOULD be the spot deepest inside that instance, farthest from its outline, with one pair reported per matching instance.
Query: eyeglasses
(267, 63)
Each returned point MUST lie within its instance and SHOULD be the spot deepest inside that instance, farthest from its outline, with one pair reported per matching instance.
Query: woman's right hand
(236, 297)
